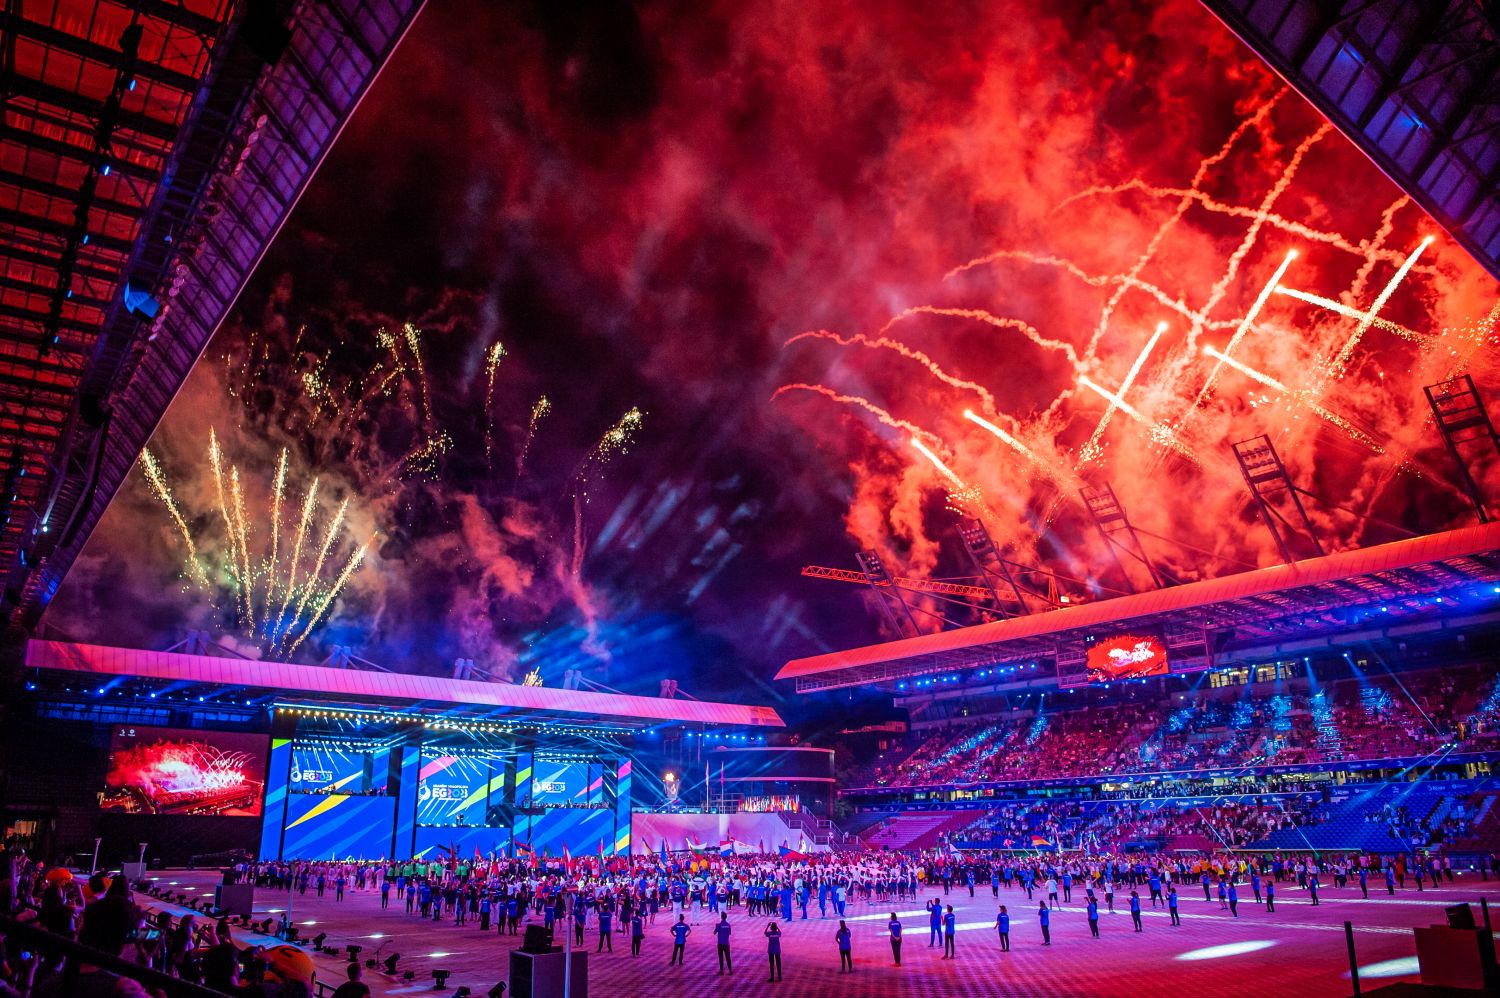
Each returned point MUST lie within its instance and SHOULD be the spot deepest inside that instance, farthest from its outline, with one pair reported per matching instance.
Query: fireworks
(1090, 450)
(538, 413)
(492, 358)
(1168, 393)
(937, 462)
(618, 438)
(254, 583)
(159, 486)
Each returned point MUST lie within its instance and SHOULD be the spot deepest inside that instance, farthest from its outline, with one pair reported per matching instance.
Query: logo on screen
(551, 787)
(1126, 656)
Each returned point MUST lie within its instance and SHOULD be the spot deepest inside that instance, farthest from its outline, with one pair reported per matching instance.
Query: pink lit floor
(1297, 950)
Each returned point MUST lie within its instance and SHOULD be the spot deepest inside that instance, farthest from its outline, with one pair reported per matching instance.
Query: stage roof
(1400, 581)
(351, 687)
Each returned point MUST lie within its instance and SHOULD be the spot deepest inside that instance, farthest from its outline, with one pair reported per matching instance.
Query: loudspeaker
(536, 940)
(1460, 916)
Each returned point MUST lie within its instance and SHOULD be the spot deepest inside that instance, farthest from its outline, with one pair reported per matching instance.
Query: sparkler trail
(492, 359)
(1371, 250)
(538, 413)
(980, 315)
(1091, 450)
(1098, 281)
(317, 570)
(1351, 312)
(1376, 251)
(619, 438)
(1341, 361)
(1061, 479)
(1270, 382)
(937, 462)
(880, 414)
(1221, 287)
(1199, 176)
(241, 538)
(1239, 334)
(158, 482)
(277, 491)
(309, 503)
(886, 343)
(216, 462)
(350, 567)
(413, 337)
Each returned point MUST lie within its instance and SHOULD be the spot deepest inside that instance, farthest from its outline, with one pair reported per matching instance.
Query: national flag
(698, 848)
(726, 847)
(1040, 842)
(567, 858)
(791, 855)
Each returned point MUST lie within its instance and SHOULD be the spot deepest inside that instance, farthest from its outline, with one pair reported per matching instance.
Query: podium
(540, 975)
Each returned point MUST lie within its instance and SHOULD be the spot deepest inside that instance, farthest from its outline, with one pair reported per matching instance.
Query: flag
(698, 848)
(567, 858)
(762, 847)
(726, 847)
(789, 854)
(1040, 842)
(646, 845)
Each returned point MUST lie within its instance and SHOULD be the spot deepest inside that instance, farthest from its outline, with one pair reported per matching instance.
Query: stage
(1297, 950)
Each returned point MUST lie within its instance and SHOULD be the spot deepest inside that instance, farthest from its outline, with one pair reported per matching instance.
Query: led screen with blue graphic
(320, 769)
(557, 783)
(454, 790)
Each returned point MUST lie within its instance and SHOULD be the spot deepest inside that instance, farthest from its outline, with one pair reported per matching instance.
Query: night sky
(642, 204)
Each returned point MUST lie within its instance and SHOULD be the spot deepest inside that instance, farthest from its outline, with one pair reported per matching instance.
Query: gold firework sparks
(538, 413)
(492, 358)
(159, 486)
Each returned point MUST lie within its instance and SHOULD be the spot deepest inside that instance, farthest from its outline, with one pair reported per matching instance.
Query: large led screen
(176, 771)
(1132, 655)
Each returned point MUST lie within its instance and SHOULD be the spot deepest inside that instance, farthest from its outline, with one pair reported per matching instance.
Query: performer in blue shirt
(773, 950)
(846, 956)
(895, 929)
(1002, 925)
(948, 927)
(1044, 916)
(1172, 905)
(680, 932)
(1135, 909)
(721, 933)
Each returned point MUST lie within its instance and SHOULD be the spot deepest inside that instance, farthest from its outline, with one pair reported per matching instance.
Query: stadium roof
(1400, 581)
(1414, 85)
(149, 152)
(381, 689)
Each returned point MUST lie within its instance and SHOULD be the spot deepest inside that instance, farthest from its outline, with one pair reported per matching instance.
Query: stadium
(522, 499)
